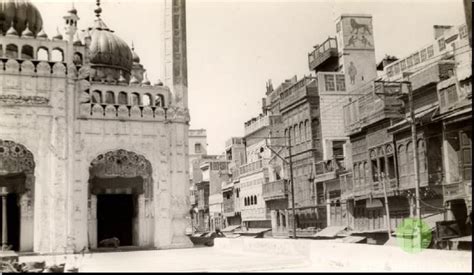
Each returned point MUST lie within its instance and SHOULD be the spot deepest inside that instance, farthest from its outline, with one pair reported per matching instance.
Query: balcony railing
(253, 166)
(275, 190)
(329, 169)
(322, 53)
(256, 124)
(379, 102)
(304, 87)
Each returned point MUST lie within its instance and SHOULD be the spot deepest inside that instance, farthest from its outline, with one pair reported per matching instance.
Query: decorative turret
(11, 31)
(27, 33)
(71, 23)
(58, 35)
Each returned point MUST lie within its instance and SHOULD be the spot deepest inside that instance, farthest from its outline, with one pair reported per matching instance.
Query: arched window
(290, 133)
(11, 51)
(374, 166)
(135, 99)
(295, 134)
(110, 97)
(42, 54)
(255, 199)
(146, 100)
(402, 163)
(367, 173)
(361, 174)
(122, 98)
(302, 134)
(308, 130)
(57, 55)
(159, 101)
(96, 97)
(390, 161)
(77, 59)
(27, 52)
(355, 171)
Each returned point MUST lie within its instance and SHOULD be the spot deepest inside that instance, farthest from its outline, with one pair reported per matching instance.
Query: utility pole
(387, 211)
(292, 186)
(415, 154)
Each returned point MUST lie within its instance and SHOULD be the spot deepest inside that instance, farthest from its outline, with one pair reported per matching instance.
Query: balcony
(379, 102)
(296, 92)
(452, 97)
(229, 207)
(256, 124)
(275, 190)
(324, 56)
(329, 169)
(253, 167)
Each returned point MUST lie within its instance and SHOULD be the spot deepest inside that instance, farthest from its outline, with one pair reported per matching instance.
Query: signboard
(357, 32)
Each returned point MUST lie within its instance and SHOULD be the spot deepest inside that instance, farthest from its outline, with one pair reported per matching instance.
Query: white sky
(235, 46)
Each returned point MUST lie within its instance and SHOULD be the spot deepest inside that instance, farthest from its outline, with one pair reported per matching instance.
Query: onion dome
(42, 35)
(58, 36)
(19, 14)
(107, 49)
(145, 81)
(27, 33)
(12, 31)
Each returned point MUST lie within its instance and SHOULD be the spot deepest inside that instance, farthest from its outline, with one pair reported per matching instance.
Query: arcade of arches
(120, 199)
(16, 189)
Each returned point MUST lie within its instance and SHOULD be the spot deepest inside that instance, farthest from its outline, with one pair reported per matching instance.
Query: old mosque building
(89, 148)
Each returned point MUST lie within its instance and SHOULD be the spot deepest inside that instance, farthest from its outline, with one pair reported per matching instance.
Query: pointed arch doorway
(16, 196)
(120, 200)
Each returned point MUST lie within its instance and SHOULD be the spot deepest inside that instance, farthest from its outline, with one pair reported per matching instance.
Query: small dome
(135, 57)
(19, 13)
(109, 50)
(12, 31)
(134, 80)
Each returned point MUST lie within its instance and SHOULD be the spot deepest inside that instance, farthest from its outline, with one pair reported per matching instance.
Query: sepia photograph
(235, 136)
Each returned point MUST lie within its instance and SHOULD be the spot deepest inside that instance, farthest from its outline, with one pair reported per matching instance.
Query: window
(382, 170)
(303, 132)
(402, 162)
(390, 162)
(255, 199)
(110, 98)
(396, 68)
(441, 44)
(423, 55)
(135, 99)
(374, 166)
(57, 55)
(430, 51)
(340, 83)
(410, 162)
(463, 31)
(329, 80)
(390, 71)
(367, 172)
(42, 54)
(96, 97)
(295, 135)
(403, 65)
(27, 52)
(123, 98)
(308, 130)
(361, 174)
(422, 160)
(416, 58)
(159, 101)
(197, 148)
(146, 100)
(452, 94)
(356, 174)
(409, 62)
(11, 51)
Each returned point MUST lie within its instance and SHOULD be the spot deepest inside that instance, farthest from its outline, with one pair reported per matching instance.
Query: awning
(422, 116)
(230, 228)
(330, 231)
(374, 203)
(456, 116)
(351, 239)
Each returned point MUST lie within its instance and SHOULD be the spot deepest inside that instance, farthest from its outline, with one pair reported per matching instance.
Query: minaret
(71, 24)
(175, 56)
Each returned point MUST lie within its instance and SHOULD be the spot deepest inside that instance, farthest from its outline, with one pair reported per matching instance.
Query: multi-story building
(216, 172)
(235, 154)
(197, 148)
(383, 156)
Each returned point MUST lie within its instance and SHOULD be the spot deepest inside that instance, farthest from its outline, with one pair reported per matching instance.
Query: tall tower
(175, 56)
(355, 40)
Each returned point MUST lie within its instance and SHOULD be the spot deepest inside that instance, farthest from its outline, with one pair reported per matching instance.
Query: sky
(235, 46)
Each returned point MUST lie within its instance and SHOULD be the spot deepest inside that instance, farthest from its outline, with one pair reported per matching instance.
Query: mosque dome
(107, 49)
(21, 13)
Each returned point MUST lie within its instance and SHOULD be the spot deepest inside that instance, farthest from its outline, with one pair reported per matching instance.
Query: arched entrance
(16, 190)
(121, 199)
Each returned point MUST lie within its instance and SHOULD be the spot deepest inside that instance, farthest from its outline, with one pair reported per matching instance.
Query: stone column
(328, 212)
(274, 217)
(3, 194)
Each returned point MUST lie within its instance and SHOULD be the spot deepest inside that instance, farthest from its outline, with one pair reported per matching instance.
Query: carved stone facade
(61, 137)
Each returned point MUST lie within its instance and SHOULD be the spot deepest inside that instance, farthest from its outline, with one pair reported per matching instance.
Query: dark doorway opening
(115, 218)
(13, 222)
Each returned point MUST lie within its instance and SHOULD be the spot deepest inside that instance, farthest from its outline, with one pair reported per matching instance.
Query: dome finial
(98, 11)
